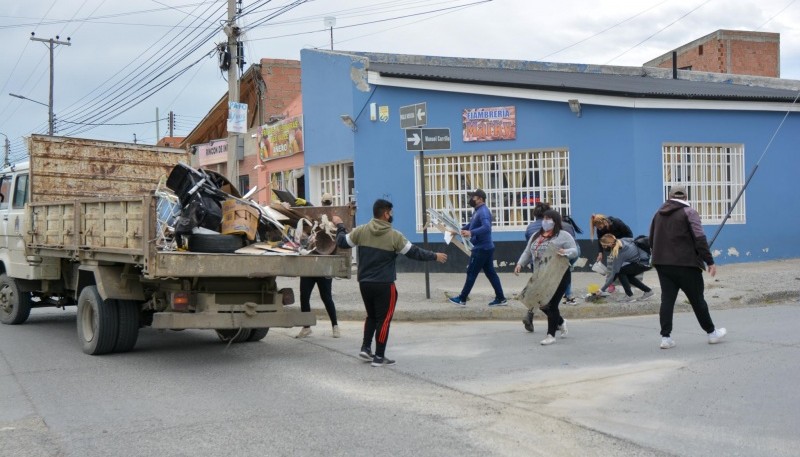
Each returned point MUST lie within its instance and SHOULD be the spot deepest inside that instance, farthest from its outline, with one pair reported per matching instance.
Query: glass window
(20, 191)
(513, 181)
(5, 188)
(713, 175)
(337, 179)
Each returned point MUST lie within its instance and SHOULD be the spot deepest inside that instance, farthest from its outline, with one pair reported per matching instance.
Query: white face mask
(548, 225)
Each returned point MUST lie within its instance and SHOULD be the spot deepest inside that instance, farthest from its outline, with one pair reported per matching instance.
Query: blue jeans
(482, 259)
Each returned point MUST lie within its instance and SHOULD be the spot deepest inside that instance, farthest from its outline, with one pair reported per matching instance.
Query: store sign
(212, 153)
(490, 124)
(281, 139)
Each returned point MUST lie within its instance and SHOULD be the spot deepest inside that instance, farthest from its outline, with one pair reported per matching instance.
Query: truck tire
(98, 322)
(222, 244)
(258, 334)
(128, 333)
(233, 335)
(15, 306)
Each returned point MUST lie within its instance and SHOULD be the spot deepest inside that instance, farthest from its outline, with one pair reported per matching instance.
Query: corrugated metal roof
(590, 83)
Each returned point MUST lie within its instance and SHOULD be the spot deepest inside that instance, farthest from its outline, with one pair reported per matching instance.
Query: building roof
(625, 85)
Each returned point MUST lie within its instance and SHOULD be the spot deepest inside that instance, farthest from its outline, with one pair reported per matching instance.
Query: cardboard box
(239, 219)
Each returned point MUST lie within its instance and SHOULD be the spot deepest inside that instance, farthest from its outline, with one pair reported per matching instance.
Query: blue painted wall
(615, 154)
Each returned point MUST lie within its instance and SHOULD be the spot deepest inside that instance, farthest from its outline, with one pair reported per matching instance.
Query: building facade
(587, 139)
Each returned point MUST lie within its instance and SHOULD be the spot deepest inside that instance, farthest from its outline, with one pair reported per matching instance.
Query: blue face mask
(548, 225)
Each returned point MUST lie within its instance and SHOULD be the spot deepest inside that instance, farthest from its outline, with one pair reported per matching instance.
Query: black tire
(234, 335)
(15, 306)
(98, 322)
(128, 333)
(215, 243)
(258, 334)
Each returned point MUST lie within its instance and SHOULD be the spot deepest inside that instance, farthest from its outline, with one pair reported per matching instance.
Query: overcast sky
(128, 59)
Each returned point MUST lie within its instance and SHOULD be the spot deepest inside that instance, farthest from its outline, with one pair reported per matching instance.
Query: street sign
(414, 115)
(427, 139)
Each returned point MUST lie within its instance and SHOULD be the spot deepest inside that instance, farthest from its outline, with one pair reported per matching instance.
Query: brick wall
(282, 78)
(729, 51)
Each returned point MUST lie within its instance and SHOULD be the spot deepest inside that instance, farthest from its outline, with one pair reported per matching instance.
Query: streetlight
(50, 115)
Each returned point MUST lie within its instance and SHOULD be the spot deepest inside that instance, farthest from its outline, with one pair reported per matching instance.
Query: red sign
(490, 124)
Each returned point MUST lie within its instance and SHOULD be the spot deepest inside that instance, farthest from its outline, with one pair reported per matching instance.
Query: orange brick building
(728, 51)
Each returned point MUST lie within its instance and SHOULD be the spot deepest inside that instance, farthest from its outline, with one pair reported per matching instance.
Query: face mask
(471, 202)
(391, 219)
(548, 225)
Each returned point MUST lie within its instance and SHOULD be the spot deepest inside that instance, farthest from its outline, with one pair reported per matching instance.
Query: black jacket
(677, 237)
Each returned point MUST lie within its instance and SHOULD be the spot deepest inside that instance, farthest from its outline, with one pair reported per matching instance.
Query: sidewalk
(735, 286)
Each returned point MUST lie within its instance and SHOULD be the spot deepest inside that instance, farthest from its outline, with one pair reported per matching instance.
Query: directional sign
(414, 115)
(427, 139)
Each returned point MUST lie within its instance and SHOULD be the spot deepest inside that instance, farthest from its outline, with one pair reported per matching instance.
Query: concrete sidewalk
(735, 286)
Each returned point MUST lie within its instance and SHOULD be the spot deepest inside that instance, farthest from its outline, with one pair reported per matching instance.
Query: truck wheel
(234, 335)
(97, 322)
(258, 334)
(215, 243)
(15, 306)
(128, 312)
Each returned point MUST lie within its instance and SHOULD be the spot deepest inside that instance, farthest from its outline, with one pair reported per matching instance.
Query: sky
(128, 60)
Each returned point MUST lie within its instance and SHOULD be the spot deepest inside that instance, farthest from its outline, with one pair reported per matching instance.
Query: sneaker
(527, 321)
(548, 341)
(667, 342)
(499, 302)
(457, 301)
(563, 329)
(570, 301)
(304, 332)
(647, 295)
(335, 332)
(366, 354)
(716, 336)
(382, 361)
(627, 299)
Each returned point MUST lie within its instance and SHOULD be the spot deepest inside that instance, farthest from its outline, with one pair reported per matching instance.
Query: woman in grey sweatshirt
(550, 236)
(629, 261)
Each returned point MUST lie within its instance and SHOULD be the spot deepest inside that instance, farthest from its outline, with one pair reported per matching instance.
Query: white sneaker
(548, 341)
(716, 336)
(667, 342)
(647, 295)
(335, 332)
(563, 329)
(304, 332)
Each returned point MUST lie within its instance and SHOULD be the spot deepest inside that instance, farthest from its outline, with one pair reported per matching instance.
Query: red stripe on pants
(384, 332)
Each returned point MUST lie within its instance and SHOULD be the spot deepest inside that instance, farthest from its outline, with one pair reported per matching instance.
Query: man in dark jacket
(679, 253)
(378, 245)
(481, 258)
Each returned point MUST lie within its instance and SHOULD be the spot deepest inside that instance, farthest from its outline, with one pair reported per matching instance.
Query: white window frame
(336, 179)
(509, 178)
(713, 175)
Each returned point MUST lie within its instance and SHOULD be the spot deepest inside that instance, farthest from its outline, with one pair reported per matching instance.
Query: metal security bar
(513, 181)
(713, 175)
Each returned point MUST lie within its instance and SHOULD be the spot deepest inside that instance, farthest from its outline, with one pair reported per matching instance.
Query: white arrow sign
(415, 139)
(420, 114)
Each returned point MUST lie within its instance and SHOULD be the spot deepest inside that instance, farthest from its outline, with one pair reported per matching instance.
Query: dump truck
(79, 228)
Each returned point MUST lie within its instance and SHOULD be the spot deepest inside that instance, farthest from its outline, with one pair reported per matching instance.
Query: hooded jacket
(378, 246)
(677, 237)
(480, 228)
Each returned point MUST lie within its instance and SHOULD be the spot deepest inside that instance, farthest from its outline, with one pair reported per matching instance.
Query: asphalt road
(459, 388)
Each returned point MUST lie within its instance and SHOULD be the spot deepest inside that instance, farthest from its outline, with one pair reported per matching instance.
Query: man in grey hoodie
(679, 253)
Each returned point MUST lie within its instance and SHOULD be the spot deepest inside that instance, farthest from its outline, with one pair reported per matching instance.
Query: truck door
(5, 194)
(15, 237)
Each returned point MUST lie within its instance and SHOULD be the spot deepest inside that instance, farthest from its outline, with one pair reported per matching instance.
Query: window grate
(338, 180)
(713, 175)
(513, 181)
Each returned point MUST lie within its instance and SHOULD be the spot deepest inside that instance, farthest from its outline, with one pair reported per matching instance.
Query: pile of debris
(201, 211)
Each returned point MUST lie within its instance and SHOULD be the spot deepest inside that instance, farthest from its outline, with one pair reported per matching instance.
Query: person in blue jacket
(479, 231)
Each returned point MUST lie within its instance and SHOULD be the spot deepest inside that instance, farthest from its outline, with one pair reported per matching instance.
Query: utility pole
(158, 127)
(6, 151)
(171, 123)
(232, 30)
(52, 43)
